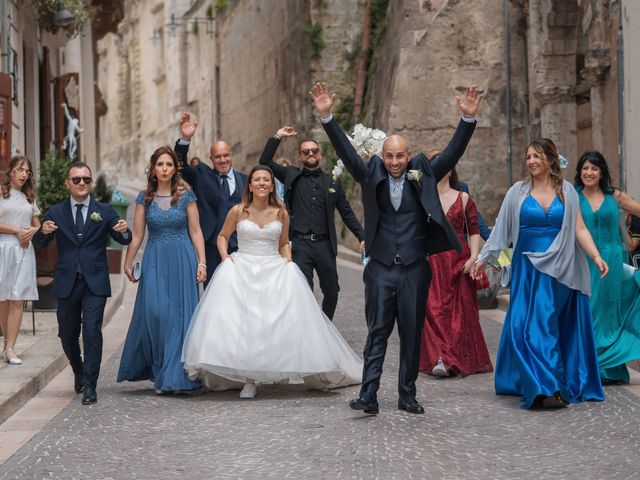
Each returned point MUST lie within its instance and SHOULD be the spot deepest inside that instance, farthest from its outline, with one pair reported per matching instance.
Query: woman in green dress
(615, 299)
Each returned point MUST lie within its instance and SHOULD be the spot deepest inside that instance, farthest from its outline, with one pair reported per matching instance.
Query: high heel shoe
(11, 361)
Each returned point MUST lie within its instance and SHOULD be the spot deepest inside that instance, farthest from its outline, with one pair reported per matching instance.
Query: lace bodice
(254, 240)
(164, 221)
(16, 210)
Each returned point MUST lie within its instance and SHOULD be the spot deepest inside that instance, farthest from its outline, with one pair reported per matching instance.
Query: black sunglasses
(307, 151)
(77, 180)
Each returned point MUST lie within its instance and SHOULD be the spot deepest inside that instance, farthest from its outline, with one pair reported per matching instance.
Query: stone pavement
(287, 432)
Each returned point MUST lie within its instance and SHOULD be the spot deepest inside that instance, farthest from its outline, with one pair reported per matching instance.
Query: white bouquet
(337, 170)
(367, 141)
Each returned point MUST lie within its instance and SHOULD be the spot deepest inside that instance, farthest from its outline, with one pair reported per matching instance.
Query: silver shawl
(564, 260)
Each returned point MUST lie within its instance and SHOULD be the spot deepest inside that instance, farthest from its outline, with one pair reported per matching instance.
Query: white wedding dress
(258, 320)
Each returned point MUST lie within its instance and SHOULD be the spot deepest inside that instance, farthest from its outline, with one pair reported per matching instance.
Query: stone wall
(432, 50)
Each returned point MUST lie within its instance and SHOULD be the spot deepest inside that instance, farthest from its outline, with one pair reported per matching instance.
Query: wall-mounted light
(63, 17)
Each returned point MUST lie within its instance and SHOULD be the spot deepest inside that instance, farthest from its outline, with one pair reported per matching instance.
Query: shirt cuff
(181, 141)
(327, 119)
(469, 119)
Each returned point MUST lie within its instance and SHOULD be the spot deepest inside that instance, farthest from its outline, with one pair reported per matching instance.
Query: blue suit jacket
(90, 251)
(206, 185)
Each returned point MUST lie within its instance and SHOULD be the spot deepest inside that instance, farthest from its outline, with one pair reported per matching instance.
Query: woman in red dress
(452, 339)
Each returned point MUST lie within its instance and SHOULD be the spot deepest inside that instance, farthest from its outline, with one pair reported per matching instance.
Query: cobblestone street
(286, 432)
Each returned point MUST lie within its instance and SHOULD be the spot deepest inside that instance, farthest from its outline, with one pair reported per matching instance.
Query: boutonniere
(95, 217)
(415, 175)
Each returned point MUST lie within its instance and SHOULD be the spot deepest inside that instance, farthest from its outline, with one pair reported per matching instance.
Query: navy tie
(79, 220)
(225, 187)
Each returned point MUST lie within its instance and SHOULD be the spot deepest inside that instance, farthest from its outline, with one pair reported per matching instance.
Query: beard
(311, 162)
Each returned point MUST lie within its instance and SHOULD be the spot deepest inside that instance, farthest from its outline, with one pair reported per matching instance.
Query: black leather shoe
(366, 404)
(89, 396)
(410, 405)
(77, 383)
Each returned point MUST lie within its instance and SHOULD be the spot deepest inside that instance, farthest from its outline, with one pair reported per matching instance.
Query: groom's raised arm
(323, 102)
(458, 144)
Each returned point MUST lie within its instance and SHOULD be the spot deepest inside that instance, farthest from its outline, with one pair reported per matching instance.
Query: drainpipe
(507, 65)
(620, 87)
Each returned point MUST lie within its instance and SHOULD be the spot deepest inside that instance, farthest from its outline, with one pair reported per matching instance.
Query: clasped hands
(25, 235)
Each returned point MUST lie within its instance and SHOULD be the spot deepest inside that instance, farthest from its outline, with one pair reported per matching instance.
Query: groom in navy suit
(216, 190)
(81, 227)
(404, 223)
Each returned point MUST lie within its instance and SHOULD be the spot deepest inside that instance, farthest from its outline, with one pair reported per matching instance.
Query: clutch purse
(137, 271)
(505, 276)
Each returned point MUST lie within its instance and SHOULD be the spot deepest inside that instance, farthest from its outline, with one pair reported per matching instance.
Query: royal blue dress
(166, 299)
(547, 343)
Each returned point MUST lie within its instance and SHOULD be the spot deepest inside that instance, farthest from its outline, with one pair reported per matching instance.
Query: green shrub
(51, 187)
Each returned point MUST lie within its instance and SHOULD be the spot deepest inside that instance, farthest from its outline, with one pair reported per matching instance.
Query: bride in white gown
(258, 321)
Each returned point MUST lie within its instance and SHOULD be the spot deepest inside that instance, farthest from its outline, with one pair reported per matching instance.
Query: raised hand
(322, 99)
(471, 101)
(187, 126)
(285, 132)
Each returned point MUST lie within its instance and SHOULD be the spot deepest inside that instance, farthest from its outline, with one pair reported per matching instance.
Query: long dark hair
(546, 147)
(598, 160)
(177, 184)
(247, 195)
(29, 187)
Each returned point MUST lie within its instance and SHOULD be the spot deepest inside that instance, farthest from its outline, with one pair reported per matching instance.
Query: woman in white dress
(18, 224)
(258, 321)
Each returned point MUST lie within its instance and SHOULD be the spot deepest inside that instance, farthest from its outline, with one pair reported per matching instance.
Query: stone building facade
(554, 68)
(242, 70)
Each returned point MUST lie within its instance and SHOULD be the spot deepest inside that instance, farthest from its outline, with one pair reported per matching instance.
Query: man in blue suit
(403, 223)
(81, 227)
(216, 190)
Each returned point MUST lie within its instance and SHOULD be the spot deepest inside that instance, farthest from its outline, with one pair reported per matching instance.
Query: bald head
(395, 155)
(221, 157)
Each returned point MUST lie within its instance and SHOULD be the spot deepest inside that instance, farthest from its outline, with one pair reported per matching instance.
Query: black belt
(314, 237)
(398, 261)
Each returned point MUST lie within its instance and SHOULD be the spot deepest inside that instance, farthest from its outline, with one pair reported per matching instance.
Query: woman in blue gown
(615, 301)
(167, 291)
(547, 351)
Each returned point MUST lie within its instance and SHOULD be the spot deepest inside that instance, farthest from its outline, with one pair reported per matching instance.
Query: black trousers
(317, 255)
(82, 311)
(396, 293)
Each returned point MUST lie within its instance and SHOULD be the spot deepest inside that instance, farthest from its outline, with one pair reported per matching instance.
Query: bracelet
(202, 265)
(277, 137)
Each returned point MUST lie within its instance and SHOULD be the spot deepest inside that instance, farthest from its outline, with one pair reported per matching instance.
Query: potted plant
(51, 190)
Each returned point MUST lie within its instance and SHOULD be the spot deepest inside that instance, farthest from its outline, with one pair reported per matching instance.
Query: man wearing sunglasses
(312, 196)
(81, 227)
(217, 190)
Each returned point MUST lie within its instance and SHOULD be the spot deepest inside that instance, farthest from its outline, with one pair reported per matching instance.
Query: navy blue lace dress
(167, 296)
